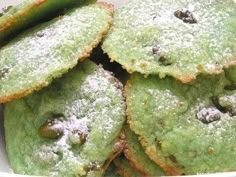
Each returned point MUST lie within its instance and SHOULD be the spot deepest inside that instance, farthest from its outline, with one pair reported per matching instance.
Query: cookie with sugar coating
(176, 38)
(28, 12)
(70, 128)
(185, 128)
(33, 59)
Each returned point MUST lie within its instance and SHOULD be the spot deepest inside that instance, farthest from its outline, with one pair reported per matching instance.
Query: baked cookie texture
(136, 156)
(177, 38)
(184, 128)
(70, 128)
(28, 12)
(37, 56)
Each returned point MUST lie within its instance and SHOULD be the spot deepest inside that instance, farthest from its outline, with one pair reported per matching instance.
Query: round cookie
(134, 152)
(28, 12)
(34, 58)
(185, 128)
(58, 131)
(177, 38)
(124, 169)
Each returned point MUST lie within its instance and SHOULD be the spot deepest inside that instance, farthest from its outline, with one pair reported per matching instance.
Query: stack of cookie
(58, 127)
(65, 115)
(181, 97)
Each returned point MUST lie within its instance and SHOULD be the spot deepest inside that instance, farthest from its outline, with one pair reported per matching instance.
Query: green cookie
(177, 38)
(134, 152)
(70, 128)
(29, 12)
(124, 169)
(185, 128)
(33, 59)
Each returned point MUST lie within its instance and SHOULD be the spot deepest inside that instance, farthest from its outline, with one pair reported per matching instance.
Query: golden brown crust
(119, 170)
(218, 70)
(170, 170)
(12, 19)
(107, 6)
(21, 93)
(118, 148)
(85, 54)
(131, 161)
(186, 78)
(133, 164)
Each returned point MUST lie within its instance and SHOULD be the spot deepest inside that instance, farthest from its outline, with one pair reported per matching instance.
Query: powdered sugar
(91, 117)
(201, 35)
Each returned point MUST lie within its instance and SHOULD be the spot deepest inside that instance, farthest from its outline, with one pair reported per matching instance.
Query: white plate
(5, 170)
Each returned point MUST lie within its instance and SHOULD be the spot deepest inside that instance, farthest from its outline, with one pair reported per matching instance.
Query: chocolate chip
(215, 101)
(230, 87)
(57, 115)
(159, 145)
(93, 166)
(228, 102)
(5, 9)
(165, 61)
(47, 131)
(156, 50)
(39, 34)
(186, 16)
(154, 16)
(159, 55)
(173, 158)
(4, 72)
(208, 115)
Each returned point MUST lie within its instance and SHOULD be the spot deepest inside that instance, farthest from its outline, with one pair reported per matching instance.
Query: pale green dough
(147, 37)
(134, 152)
(29, 12)
(85, 107)
(47, 51)
(185, 128)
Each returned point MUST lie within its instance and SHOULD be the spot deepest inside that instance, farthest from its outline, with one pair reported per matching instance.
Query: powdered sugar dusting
(88, 120)
(140, 26)
(50, 49)
(161, 15)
